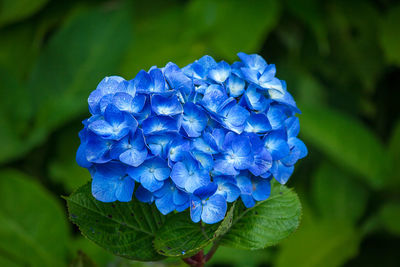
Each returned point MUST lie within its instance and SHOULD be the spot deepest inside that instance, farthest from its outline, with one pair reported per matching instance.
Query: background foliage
(341, 60)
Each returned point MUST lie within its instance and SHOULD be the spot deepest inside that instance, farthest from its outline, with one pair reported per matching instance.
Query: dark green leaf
(347, 141)
(228, 27)
(337, 195)
(319, 243)
(85, 50)
(125, 229)
(390, 35)
(63, 168)
(33, 226)
(179, 236)
(14, 10)
(267, 223)
(394, 153)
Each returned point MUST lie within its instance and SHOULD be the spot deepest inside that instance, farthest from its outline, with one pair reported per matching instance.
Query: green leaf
(267, 223)
(82, 260)
(62, 167)
(85, 50)
(337, 195)
(317, 243)
(33, 226)
(226, 256)
(179, 236)
(390, 217)
(228, 27)
(394, 153)
(126, 229)
(347, 141)
(390, 35)
(14, 10)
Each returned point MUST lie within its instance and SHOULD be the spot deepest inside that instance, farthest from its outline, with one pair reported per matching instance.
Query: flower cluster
(197, 137)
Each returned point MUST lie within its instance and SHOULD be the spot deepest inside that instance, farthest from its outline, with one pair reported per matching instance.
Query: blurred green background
(341, 60)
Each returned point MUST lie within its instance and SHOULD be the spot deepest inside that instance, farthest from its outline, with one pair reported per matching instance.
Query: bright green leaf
(347, 141)
(267, 223)
(33, 226)
(126, 229)
(390, 35)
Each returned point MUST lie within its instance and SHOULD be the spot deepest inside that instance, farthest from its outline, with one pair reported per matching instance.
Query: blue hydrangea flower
(196, 137)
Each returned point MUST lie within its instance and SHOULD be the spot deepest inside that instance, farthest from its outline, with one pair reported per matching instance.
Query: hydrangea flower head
(196, 138)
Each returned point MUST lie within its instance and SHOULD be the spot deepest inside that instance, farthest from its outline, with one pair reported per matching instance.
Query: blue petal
(262, 162)
(178, 149)
(180, 198)
(213, 98)
(194, 120)
(149, 182)
(158, 124)
(224, 167)
(133, 157)
(179, 174)
(257, 123)
(248, 200)
(284, 98)
(220, 72)
(165, 204)
(104, 102)
(206, 191)
(255, 100)
(108, 180)
(102, 128)
(253, 61)
(125, 189)
(167, 106)
(262, 189)
(103, 188)
(275, 85)
(137, 172)
(144, 195)
(159, 144)
(205, 160)
(195, 209)
(281, 172)
(143, 82)
(236, 118)
(250, 75)
(98, 149)
(123, 101)
(268, 74)
(107, 86)
(292, 126)
(244, 184)
(214, 210)
(276, 145)
(236, 86)
(229, 190)
(158, 79)
(205, 144)
(276, 117)
(207, 62)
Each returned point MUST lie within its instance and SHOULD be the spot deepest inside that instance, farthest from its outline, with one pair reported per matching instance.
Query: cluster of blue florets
(196, 137)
